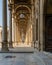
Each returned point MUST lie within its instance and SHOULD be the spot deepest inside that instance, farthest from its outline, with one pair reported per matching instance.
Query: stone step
(21, 50)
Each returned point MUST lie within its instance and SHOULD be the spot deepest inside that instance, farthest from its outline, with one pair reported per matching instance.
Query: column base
(4, 47)
(10, 45)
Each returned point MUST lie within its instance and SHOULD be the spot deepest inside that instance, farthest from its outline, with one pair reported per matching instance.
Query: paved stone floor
(36, 58)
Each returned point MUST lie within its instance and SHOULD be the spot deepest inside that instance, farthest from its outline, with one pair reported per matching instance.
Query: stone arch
(23, 6)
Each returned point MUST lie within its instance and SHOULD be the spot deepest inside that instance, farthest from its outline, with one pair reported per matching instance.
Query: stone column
(41, 24)
(37, 16)
(13, 29)
(4, 27)
(10, 27)
(33, 22)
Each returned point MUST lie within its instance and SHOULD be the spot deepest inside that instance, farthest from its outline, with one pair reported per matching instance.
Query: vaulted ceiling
(22, 14)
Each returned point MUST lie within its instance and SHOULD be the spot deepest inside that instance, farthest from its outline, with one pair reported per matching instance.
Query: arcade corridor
(27, 40)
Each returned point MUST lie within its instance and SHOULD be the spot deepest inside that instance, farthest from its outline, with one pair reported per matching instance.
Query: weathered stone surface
(36, 58)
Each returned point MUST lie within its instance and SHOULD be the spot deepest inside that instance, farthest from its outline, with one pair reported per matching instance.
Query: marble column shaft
(4, 27)
(33, 27)
(41, 24)
(10, 26)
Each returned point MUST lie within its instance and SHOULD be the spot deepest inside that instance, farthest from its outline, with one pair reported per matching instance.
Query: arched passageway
(21, 23)
(21, 19)
(29, 24)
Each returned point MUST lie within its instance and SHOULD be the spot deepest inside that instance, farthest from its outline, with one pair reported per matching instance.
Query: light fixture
(22, 15)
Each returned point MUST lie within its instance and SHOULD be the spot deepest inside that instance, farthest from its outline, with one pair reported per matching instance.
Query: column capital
(10, 7)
